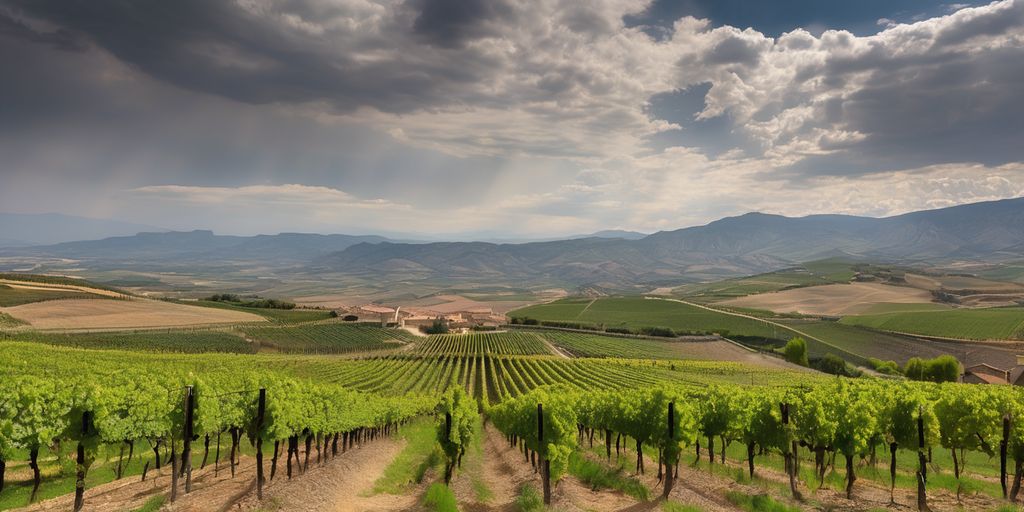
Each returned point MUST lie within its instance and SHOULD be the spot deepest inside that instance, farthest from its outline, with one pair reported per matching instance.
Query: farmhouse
(987, 374)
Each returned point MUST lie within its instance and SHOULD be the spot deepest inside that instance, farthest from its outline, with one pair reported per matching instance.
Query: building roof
(989, 379)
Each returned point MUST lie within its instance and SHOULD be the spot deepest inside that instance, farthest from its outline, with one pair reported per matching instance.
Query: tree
(914, 368)
(796, 351)
(942, 369)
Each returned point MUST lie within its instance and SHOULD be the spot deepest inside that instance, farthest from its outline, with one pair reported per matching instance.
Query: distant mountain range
(202, 247)
(747, 244)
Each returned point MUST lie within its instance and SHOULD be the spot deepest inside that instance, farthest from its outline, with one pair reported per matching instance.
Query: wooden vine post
(671, 439)
(448, 464)
(261, 409)
(546, 463)
(186, 452)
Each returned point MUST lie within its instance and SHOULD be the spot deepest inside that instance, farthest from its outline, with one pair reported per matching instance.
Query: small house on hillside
(983, 373)
(987, 374)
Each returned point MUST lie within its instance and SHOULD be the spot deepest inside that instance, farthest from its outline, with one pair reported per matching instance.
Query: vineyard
(594, 345)
(183, 341)
(969, 324)
(491, 343)
(551, 408)
(326, 338)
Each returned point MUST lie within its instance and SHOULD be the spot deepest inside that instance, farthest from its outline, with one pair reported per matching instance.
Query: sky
(504, 118)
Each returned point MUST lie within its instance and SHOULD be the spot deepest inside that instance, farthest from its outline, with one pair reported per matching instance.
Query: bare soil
(96, 314)
(832, 299)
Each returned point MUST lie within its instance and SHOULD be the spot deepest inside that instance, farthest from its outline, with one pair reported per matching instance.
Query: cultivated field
(968, 324)
(833, 299)
(84, 314)
(325, 338)
(640, 312)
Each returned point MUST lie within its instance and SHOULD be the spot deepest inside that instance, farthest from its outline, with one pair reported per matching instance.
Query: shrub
(620, 330)
(832, 364)
(884, 367)
(664, 332)
(795, 351)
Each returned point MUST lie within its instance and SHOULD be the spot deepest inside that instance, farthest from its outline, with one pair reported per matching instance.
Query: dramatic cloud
(557, 110)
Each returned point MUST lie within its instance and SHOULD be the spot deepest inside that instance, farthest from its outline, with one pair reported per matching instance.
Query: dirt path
(554, 350)
(341, 485)
(212, 490)
(584, 310)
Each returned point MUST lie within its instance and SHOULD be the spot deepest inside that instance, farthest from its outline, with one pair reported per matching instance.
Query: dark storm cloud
(450, 23)
(60, 38)
(275, 55)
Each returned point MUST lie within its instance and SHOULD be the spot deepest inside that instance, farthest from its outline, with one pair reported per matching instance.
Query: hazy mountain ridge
(202, 246)
(742, 245)
(746, 244)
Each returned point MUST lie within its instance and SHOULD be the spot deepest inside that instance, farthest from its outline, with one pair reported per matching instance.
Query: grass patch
(411, 465)
(529, 499)
(440, 499)
(473, 463)
(153, 504)
(9, 321)
(672, 506)
(758, 503)
(600, 476)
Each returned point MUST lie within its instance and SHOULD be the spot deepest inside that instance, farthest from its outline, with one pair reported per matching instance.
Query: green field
(185, 341)
(810, 274)
(10, 296)
(581, 344)
(326, 338)
(968, 324)
(638, 312)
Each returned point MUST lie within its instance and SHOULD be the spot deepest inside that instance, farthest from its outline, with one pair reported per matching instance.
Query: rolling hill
(747, 244)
